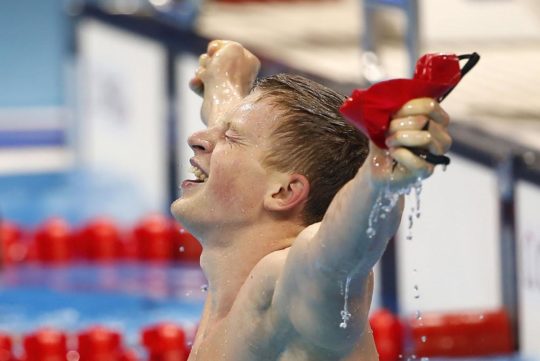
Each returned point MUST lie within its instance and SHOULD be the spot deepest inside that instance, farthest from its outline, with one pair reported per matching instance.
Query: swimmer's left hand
(422, 124)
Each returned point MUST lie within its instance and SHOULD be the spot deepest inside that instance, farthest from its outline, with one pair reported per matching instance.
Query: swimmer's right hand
(226, 66)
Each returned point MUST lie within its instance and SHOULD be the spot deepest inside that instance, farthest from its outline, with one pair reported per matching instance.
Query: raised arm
(225, 76)
(337, 255)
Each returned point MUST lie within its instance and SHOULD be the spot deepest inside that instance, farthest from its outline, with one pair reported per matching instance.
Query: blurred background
(95, 112)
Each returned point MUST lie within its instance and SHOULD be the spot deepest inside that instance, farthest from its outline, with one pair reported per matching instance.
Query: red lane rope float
(54, 242)
(99, 344)
(6, 348)
(100, 240)
(388, 334)
(462, 334)
(165, 342)
(45, 344)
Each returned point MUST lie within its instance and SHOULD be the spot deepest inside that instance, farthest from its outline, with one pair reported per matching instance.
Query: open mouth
(201, 177)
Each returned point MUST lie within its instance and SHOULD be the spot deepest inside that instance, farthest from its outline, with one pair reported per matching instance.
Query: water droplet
(481, 317)
(204, 288)
(444, 167)
(423, 338)
(417, 296)
(345, 314)
(416, 287)
(418, 315)
(424, 359)
(181, 249)
(373, 217)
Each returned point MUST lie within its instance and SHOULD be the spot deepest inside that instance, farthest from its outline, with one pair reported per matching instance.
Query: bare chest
(237, 341)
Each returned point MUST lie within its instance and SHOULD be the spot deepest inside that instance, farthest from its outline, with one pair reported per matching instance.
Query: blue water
(126, 297)
(75, 195)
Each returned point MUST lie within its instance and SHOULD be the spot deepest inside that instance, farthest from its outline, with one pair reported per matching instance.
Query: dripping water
(345, 314)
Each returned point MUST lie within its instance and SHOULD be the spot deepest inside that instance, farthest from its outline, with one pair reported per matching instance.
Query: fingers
(213, 47)
(197, 86)
(420, 123)
(203, 59)
(225, 61)
(411, 122)
(424, 106)
(436, 139)
(409, 138)
(410, 164)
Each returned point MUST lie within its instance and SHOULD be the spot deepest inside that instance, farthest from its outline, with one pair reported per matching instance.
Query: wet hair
(312, 138)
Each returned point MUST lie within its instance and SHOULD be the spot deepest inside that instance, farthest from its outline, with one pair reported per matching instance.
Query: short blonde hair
(312, 138)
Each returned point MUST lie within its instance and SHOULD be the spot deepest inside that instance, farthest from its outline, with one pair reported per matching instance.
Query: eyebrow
(229, 125)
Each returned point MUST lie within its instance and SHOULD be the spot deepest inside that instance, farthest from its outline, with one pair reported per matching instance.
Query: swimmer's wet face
(287, 125)
(230, 153)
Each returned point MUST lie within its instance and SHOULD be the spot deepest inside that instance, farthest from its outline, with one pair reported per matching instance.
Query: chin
(178, 210)
(185, 215)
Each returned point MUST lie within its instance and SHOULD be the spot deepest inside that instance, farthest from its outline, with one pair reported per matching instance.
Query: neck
(230, 255)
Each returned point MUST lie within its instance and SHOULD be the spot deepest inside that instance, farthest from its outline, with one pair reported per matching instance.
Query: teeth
(199, 174)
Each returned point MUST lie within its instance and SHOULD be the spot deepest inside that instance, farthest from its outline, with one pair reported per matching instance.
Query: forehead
(254, 116)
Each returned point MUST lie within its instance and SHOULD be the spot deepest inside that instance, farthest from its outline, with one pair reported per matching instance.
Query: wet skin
(255, 325)
(274, 284)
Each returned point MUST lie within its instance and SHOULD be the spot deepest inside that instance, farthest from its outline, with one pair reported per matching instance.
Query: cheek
(234, 184)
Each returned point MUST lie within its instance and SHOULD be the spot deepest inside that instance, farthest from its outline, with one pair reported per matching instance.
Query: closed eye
(233, 139)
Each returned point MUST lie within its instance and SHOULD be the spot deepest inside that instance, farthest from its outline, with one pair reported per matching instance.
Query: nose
(200, 142)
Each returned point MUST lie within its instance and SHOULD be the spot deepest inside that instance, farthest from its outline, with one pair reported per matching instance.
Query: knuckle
(421, 119)
(429, 105)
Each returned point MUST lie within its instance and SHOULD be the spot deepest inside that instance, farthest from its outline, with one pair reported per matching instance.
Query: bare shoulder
(266, 273)
(259, 287)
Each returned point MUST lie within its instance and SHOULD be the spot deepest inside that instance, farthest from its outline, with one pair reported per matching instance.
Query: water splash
(204, 288)
(417, 294)
(386, 201)
(345, 314)
(384, 204)
(374, 216)
(415, 210)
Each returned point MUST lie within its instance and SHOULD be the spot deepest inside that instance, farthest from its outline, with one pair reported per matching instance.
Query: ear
(286, 192)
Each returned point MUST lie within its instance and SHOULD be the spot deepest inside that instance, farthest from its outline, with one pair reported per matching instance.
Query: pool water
(127, 297)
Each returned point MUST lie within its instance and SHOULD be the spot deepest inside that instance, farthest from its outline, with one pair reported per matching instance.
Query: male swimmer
(281, 204)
